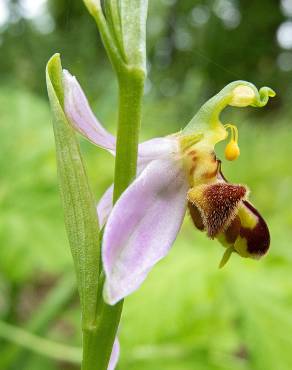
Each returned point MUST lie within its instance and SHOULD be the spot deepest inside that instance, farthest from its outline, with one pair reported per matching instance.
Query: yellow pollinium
(232, 150)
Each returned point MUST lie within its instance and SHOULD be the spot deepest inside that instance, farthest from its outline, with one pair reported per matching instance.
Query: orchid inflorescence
(138, 218)
(175, 172)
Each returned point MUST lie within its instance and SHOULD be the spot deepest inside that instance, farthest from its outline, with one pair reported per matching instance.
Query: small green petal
(226, 256)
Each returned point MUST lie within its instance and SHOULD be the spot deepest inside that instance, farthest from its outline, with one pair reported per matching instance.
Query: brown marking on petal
(214, 158)
(218, 204)
(192, 169)
(257, 238)
(193, 155)
(233, 230)
(196, 216)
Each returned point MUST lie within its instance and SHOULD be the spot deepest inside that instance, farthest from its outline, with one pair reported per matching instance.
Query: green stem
(131, 87)
(98, 341)
(99, 338)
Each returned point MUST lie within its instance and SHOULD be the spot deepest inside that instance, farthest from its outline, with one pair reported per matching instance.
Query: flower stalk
(122, 28)
(131, 87)
(98, 342)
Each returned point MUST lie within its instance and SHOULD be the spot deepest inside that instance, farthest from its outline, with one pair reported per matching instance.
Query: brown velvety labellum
(217, 204)
(233, 231)
(258, 238)
(223, 200)
(196, 216)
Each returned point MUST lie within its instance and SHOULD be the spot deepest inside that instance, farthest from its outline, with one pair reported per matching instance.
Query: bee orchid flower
(175, 173)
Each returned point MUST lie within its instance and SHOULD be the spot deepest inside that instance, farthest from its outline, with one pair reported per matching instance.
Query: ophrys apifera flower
(176, 172)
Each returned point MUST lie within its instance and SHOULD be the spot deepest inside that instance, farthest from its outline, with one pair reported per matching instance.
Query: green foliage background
(188, 314)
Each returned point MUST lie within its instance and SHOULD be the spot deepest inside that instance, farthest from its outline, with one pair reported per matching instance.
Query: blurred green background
(188, 314)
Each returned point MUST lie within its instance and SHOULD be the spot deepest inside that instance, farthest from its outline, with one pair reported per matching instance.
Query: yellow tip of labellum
(232, 151)
(226, 256)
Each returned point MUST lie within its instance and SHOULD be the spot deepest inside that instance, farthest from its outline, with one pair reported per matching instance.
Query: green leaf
(78, 203)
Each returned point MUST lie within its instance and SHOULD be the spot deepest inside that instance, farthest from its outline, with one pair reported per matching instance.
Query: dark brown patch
(220, 202)
(233, 230)
(214, 158)
(192, 170)
(258, 238)
(220, 173)
(196, 216)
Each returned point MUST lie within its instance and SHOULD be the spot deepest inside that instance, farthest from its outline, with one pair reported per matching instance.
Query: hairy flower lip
(260, 235)
(218, 204)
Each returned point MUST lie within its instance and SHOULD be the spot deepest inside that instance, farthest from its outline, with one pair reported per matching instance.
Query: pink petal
(81, 116)
(148, 151)
(83, 120)
(159, 147)
(143, 226)
(115, 355)
(105, 206)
